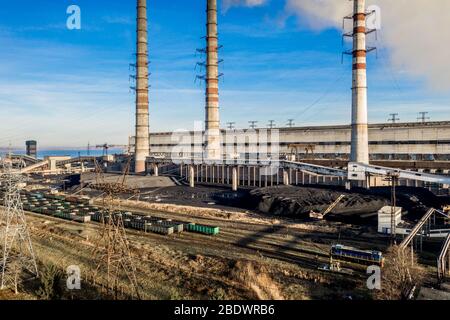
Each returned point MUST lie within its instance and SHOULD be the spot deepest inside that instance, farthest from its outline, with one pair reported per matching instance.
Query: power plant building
(387, 141)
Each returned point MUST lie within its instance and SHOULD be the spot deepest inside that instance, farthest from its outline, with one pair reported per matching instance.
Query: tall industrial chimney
(212, 121)
(360, 140)
(142, 114)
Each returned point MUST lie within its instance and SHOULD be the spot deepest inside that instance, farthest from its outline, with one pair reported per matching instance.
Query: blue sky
(67, 87)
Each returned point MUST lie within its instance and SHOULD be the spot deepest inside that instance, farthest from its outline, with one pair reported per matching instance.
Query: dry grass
(257, 280)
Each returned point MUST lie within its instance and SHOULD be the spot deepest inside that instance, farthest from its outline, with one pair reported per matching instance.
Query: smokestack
(212, 121)
(360, 140)
(142, 117)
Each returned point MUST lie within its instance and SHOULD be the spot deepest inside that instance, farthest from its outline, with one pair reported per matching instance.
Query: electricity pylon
(112, 252)
(16, 247)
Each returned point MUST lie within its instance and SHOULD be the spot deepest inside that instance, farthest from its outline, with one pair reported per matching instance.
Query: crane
(107, 146)
(320, 216)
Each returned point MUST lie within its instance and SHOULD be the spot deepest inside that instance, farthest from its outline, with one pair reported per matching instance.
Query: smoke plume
(415, 32)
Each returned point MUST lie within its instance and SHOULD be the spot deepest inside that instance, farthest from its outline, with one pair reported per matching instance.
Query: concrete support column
(192, 176)
(348, 185)
(286, 178)
(155, 170)
(235, 178)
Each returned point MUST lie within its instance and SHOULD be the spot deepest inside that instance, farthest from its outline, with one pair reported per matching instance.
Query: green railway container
(198, 228)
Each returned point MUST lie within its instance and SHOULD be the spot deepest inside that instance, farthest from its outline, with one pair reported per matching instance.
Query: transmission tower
(231, 125)
(423, 117)
(253, 124)
(17, 251)
(394, 117)
(112, 252)
(271, 124)
(290, 123)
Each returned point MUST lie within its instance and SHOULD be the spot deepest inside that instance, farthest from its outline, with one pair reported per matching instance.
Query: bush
(50, 287)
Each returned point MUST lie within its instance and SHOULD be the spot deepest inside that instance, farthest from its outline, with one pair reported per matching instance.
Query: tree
(399, 275)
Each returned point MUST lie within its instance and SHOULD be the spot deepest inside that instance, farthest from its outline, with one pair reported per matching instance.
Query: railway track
(276, 242)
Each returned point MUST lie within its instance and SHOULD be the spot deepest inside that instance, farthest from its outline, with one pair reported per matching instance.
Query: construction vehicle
(320, 216)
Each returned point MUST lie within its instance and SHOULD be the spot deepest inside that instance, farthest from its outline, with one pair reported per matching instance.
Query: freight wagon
(198, 228)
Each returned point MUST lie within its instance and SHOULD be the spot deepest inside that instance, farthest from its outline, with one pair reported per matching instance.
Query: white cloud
(416, 32)
(246, 3)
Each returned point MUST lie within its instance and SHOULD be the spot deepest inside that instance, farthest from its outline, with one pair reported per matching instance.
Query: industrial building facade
(399, 141)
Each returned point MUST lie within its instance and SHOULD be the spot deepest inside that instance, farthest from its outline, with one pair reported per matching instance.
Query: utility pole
(423, 117)
(394, 118)
(393, 178)
(253, 124)
(17, 250)
(271, 124)
(290, 123)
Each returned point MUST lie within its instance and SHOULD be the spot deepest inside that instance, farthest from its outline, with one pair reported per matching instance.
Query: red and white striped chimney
(360, 139)
(142, 146)
(212, 119)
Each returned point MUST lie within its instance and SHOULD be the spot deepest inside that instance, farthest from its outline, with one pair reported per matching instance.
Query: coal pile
(295, 201)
